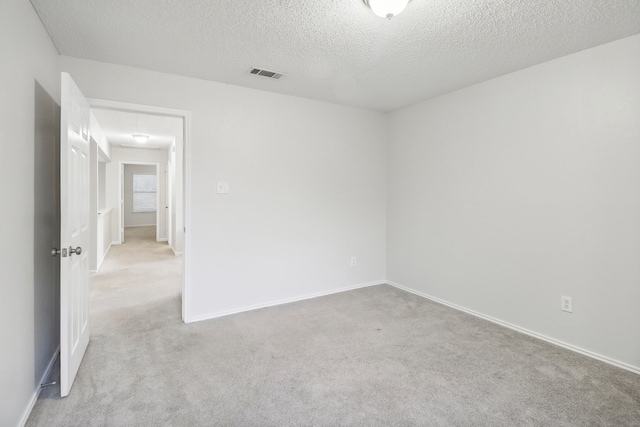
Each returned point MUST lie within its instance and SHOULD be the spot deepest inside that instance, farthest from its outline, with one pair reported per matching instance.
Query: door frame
(121, 165)
(185, 115)
(168, 208)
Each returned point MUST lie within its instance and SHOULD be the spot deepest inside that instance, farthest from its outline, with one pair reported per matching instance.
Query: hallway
(140, 280)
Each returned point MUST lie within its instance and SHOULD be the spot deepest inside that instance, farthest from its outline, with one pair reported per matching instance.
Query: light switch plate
(223, 187)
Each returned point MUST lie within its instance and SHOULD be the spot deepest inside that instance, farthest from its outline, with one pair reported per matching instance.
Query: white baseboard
(140, 225)
(162, 240)
(36, 393)
(176, 253)
(554, 341)
(279, 302)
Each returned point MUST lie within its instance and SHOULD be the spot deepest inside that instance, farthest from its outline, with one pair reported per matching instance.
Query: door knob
(55, 252)
(76, 251)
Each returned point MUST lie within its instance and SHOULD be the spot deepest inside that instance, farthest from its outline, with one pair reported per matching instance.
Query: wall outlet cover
(222, 187)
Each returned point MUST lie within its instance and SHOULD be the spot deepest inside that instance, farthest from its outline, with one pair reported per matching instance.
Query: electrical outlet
(354, 262)
(222, 187)
(566, 304)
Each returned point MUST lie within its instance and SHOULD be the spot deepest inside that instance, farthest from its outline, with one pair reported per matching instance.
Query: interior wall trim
(284, 301)
(610, 361)
(36, 393)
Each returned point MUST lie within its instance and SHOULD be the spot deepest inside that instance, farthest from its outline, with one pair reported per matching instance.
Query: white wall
(97, 134)
(508, 194)
(120, 155)
(135, 219)
(307, 187)
(27, 55)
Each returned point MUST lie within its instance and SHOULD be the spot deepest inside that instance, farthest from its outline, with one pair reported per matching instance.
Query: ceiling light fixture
(386, 8)
(140, 138)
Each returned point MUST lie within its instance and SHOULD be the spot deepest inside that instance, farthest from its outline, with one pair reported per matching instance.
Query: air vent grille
(266, 73)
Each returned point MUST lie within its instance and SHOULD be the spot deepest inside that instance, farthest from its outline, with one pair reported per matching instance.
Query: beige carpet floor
(376, 356)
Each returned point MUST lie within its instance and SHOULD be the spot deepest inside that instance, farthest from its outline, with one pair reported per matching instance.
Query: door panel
(74, 226)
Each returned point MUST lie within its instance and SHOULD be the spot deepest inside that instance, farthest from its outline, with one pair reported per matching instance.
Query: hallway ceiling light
(386, 8)
(140, 138)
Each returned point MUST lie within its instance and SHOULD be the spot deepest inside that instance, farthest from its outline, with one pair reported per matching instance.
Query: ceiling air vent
(266, 73)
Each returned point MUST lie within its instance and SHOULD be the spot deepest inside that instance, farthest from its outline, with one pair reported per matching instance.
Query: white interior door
(74, 227)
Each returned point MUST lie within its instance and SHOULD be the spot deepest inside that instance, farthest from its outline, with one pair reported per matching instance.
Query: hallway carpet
(376, 356)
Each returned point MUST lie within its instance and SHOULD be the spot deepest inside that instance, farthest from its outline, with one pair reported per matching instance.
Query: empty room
(390, 212)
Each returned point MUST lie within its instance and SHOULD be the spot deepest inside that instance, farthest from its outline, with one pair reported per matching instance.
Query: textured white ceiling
(119, 126)
(336, 50)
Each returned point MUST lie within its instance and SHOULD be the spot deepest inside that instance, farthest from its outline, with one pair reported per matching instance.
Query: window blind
(144, 193)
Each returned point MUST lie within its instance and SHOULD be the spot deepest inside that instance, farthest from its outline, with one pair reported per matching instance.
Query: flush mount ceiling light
(140, 138)
(386, 8)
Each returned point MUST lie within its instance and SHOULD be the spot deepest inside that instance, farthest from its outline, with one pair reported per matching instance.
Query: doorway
(143, 200)
(151, 188)
(81, 196)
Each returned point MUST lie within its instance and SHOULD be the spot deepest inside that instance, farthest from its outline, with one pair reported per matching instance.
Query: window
(144, 193)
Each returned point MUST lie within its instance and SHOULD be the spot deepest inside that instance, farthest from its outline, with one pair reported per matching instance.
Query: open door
(74, 227)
